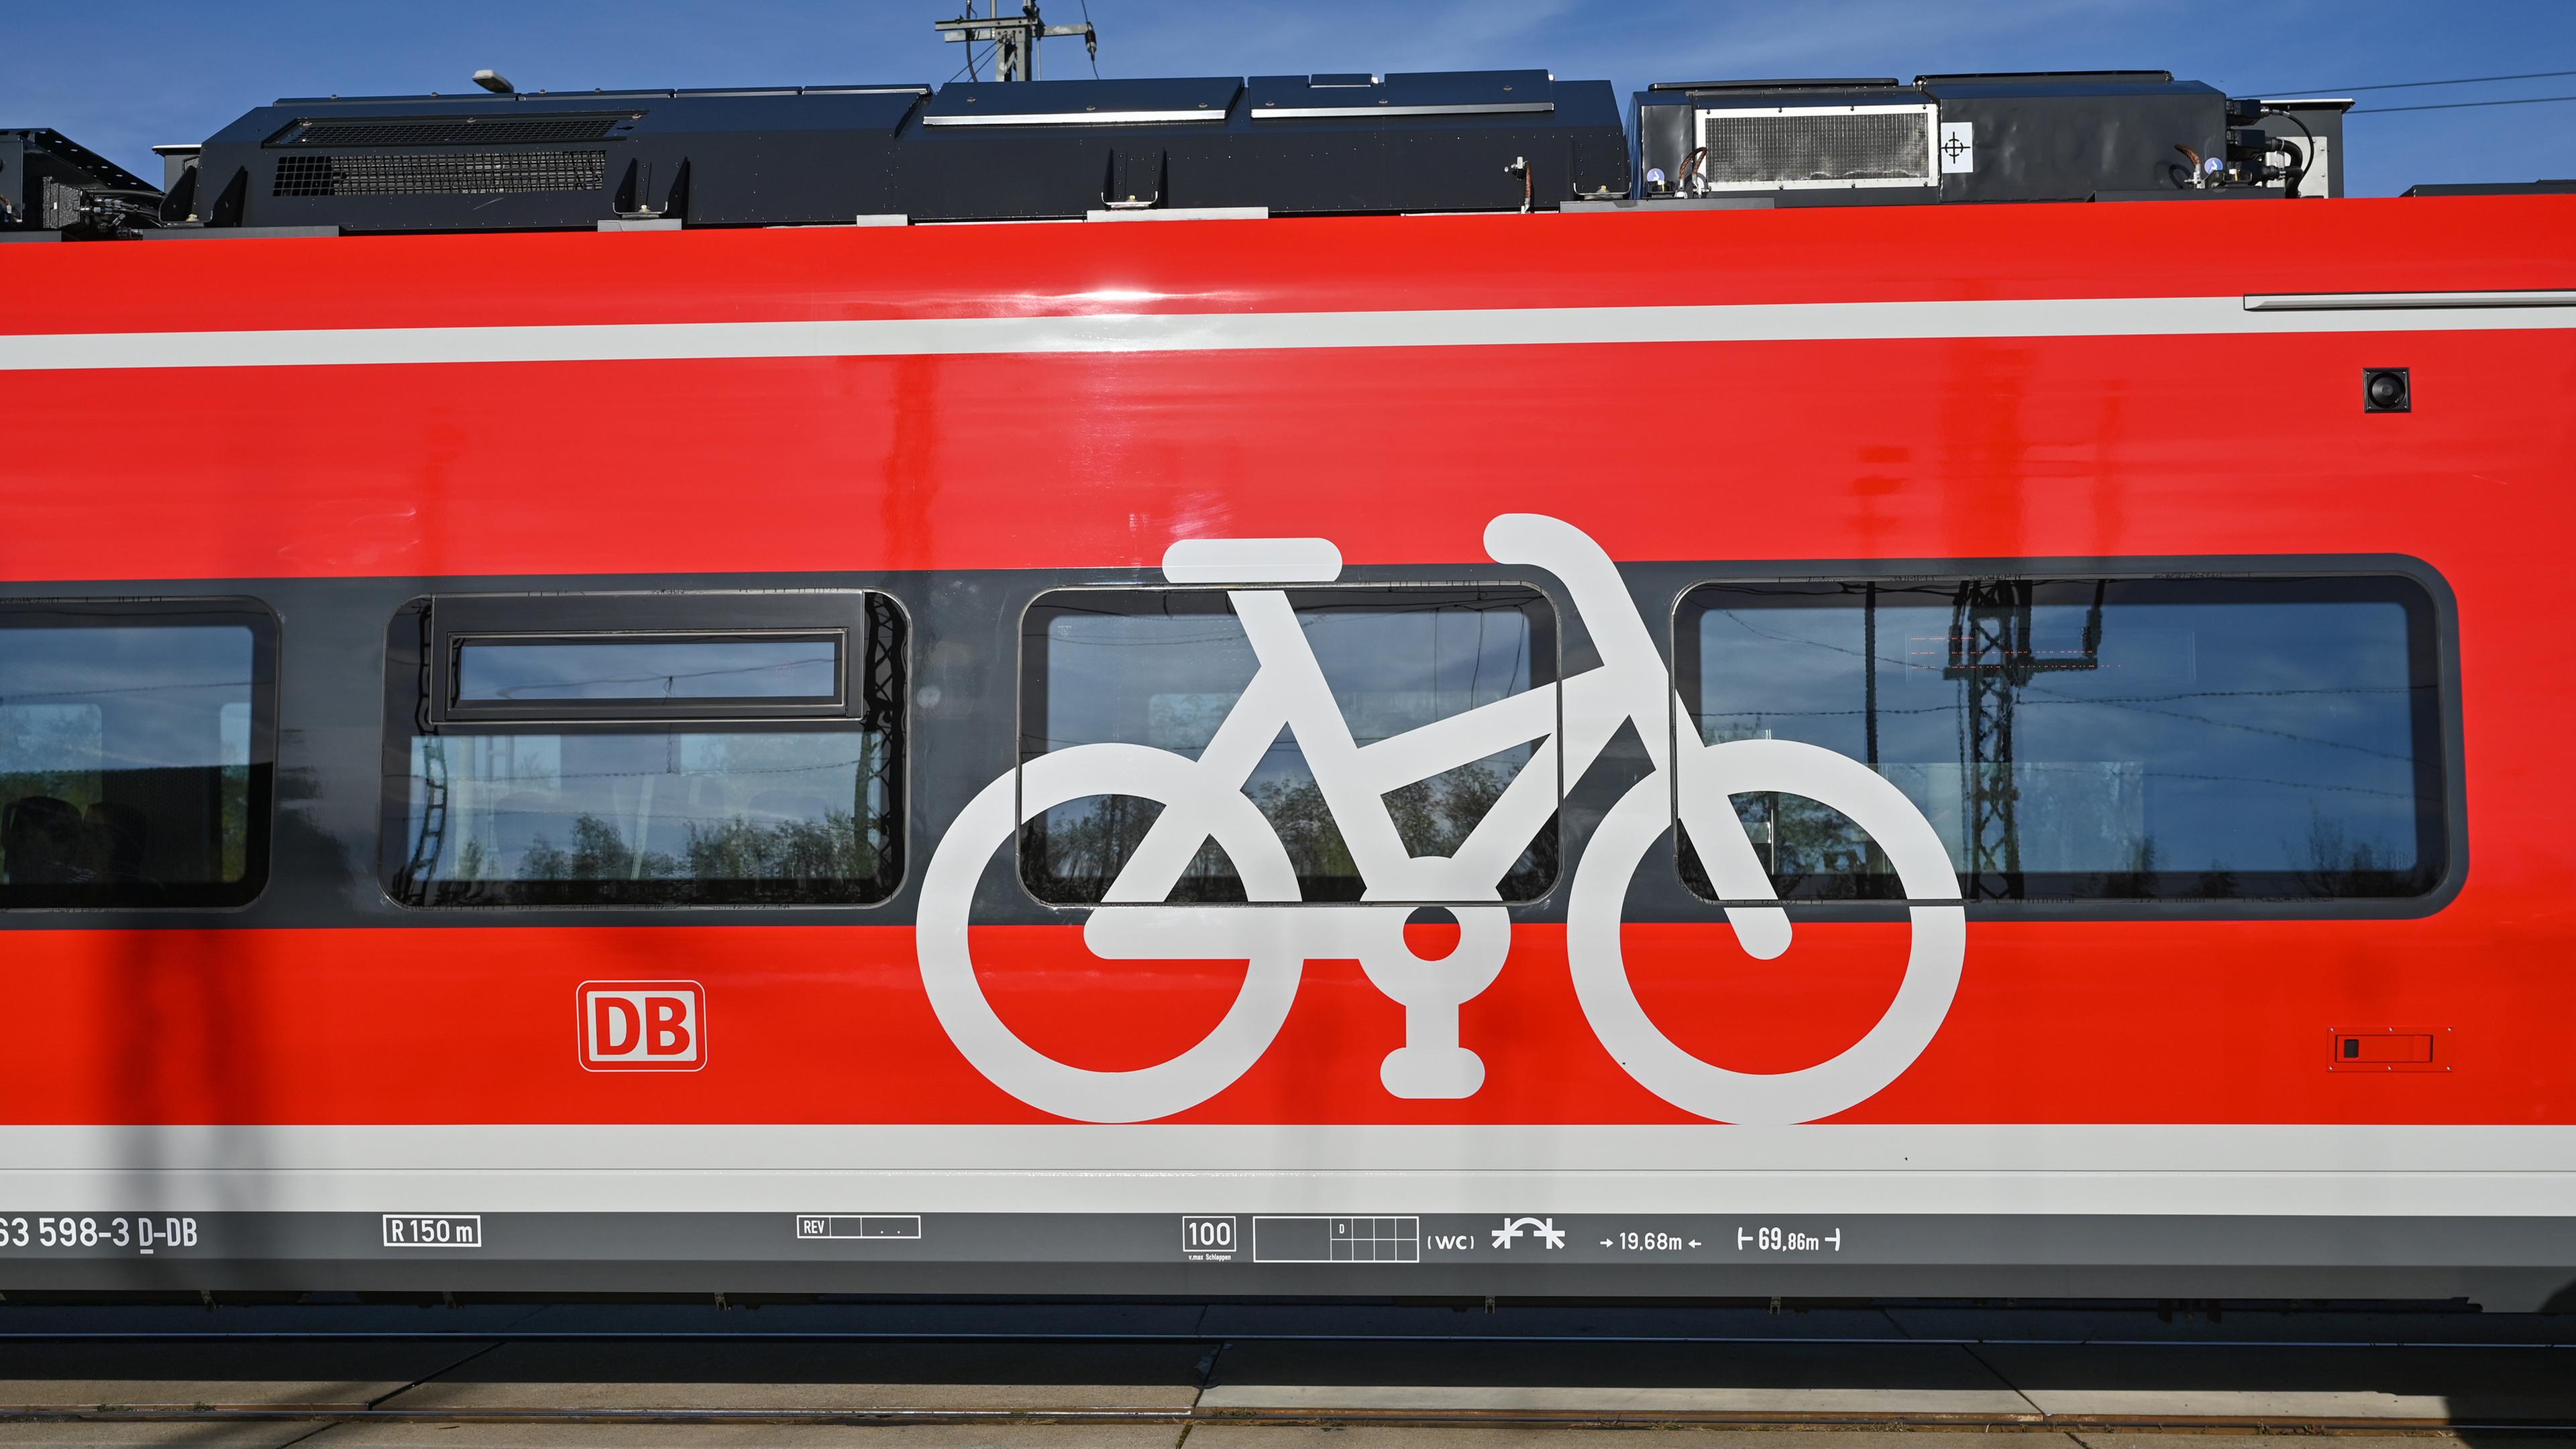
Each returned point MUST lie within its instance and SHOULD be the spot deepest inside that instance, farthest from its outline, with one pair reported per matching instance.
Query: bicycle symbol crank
(1275, 935)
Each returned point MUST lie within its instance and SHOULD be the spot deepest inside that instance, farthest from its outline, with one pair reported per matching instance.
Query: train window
(662, 749)
(2075, 739)
(621, 668)
(1168, 668)
(136, 752)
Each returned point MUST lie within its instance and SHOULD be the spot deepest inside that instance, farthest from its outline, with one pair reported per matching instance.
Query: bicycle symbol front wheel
(1708, 775)
(1273, 964)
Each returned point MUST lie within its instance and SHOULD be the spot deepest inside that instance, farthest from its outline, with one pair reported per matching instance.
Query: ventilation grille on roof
(455, 130)
(454, 173)
(1789, 147)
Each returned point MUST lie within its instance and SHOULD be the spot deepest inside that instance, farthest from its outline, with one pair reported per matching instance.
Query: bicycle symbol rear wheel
(1708, 775)
(1273, 965)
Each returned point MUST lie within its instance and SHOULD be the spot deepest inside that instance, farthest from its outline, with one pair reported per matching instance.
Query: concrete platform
(1606, 1378)
(747, 1436)
(829, 1376)
(324, 1375)
(153, 1435)
(2454, 1385)
(1118, 1375)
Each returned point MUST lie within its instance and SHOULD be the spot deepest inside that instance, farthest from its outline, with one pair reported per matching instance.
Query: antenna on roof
(1014, 38)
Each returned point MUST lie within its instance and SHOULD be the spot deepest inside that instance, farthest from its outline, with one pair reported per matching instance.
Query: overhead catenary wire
(2467, 80)
(2456, 105)
(2471, 80)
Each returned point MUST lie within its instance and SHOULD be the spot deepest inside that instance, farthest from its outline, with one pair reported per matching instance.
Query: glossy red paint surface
(1964, 448)
(2213, 1022)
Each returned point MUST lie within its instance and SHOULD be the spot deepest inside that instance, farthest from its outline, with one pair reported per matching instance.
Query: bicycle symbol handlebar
(1275, 934)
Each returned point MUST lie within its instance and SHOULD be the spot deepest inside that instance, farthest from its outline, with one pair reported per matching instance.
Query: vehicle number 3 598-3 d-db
(143, 1234)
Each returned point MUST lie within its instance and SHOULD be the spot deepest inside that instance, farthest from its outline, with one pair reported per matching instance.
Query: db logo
(643, 1026)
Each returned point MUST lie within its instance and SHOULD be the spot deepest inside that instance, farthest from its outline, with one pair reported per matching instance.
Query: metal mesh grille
(456, 130)
(454, 173)
(1758, 150)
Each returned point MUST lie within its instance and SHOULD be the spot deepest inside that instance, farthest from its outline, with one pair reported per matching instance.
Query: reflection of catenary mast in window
(1993, 657)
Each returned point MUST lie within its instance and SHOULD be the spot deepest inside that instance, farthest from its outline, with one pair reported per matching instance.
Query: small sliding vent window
(687, 670)
(645, 749)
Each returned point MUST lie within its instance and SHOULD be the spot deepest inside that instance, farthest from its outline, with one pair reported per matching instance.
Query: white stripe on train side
(2288, 1169)
(1262, 331)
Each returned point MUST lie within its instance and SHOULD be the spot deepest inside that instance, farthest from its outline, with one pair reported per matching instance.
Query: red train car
(1839, 751)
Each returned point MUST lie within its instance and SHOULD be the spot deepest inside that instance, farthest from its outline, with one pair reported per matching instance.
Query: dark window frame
(1547, 649)
(458, 622)
(259, 808)
(456, 706)
(2440, 763)
(420, 688)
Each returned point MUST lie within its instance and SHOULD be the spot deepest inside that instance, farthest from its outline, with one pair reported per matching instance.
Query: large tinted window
(134, 754)
(1164, 668)
(2202, 738)
(586, 767)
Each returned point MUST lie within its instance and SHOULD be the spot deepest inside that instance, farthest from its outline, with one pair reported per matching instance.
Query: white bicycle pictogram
(1275, 933)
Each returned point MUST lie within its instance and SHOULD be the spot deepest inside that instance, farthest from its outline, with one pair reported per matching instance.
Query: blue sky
(120, 75)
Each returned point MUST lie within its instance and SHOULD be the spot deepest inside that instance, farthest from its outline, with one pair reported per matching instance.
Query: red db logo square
(643, 1026)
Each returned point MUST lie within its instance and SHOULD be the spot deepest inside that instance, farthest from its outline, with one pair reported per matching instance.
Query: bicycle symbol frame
(1275, 934)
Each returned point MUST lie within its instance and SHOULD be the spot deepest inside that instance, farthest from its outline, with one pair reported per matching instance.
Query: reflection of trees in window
(2218, 883)
(233, 822)
(1432, 817)
(1435, 816)
(1296, 809)
(598, 853)
(1074, 852)
(832, 848)
(2135, 882)
(809, 810)
(1812, 849)
(2334, 861)
(735, 848)
(44, 734)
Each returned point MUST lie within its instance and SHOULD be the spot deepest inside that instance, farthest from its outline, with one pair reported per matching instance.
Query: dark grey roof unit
(2493, 188)
(1291, 145)
(2019, 136)
(50, 183)
(1311, 144)
(510, 162)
